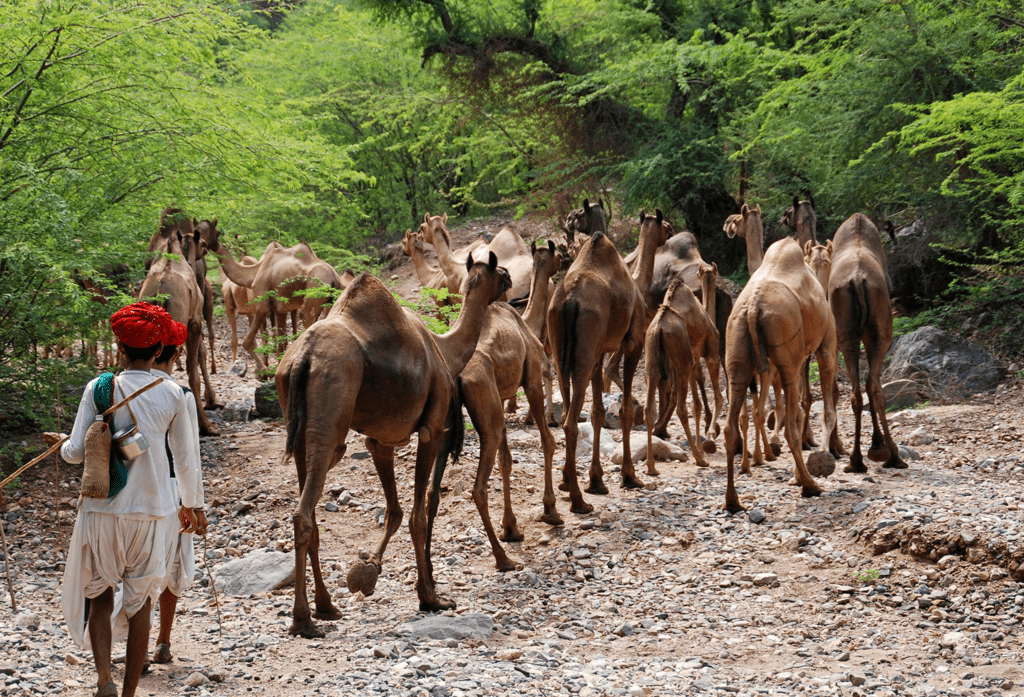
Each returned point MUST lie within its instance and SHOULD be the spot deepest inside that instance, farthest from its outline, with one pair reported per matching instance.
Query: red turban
(177, 334)
(140, 324)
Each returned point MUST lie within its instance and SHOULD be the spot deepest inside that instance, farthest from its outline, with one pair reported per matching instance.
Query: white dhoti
(181, 558)
(108, 550)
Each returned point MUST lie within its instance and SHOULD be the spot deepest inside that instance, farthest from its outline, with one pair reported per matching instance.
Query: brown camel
(373, 367)
(679, 335)
(507, 246)
(507, 356)
(173, 276)
(430, 276)
(780, 318)
(818, 258)
(747, 224)
(546, 262)
(238, 300)
(584, 221)
(801, 217)
(287, 271)
(858, 291)
(597, 309)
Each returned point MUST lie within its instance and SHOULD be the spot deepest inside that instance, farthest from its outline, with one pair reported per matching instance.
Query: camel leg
(384, 462)
(857, 399)
(209, 398)
(208, 320)
(549, 402)
(192, 368)
(791, 389)
(535, 397)
(666, 398)
(653, 379)
(827, 365)
(484, 405)
(597, 413)
(744, 422)
(629, 478)
(426, 454)
(256, 321)
(737, 405)
(714, 370)
(698, 371)
(232, 315)
(876, 354)
(509, 524)
(611, 370)
(573, 390)
(681, 390)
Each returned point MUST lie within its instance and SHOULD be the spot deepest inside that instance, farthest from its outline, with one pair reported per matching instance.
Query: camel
(430, 276)
(507, 246)
(546, 262)
(858, 291)
(680, 334)
(507, 356)
(585, 220)
(780, 318)
(286, 271)
(747, 224)
(801, 218)
(374, 367)
(597, 309)
(238, 300)
(175, 277)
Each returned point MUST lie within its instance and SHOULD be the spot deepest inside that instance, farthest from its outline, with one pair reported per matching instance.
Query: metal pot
(131, 442)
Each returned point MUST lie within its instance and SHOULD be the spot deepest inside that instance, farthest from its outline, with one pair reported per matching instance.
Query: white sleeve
(183, 439)
(73, 450)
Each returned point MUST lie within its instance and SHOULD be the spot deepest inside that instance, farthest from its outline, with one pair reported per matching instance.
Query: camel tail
(454, 433)
(662, 366)
(297, 403)
(757, 340)
(567, 356)
(859, 303)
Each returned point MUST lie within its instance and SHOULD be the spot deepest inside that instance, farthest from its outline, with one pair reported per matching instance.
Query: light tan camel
(818, 258)
(373, 367)
(858, 291)
(507, 356)
(430, 276)
(286, 271)
(781, 317)
(584, 221)
(801, 217)
(238, 300)
(172, 276)
(679, 335)
(507, 245)
(597, 309)
(747, 224)
(546, 262)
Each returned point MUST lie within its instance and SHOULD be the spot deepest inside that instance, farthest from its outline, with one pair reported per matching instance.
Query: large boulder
(267, 405)
(944, 361)
(438, 627)
(257, 572)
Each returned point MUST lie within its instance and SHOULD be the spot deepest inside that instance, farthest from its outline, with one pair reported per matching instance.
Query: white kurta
(124, 538)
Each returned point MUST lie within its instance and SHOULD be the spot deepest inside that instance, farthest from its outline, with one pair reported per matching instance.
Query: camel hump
(368, 300)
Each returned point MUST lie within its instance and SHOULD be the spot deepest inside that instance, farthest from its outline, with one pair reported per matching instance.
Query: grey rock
(26, 619)
(256, 572)
(239, 368)
(756, 515)
(267, 404)
(766, 579)
(919, 436)
(439, 627)
(909, 453)
(901, 394)
(7, 668)
(949, 362)
(237, 411)
(195, 679)
(624, 629)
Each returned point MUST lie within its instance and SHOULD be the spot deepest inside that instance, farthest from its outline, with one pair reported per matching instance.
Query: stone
(919, 436)
(949, 363)
(239, 368)
(857, 679)
(7, 668)
(267, 404)
(509, 654)
(976, 555)
(585, 444)
(948, 561)
(470, 625)
(257, 572)
(820, 463)
(624, 629)
(26, 619)
(663, 450)
(909, 453)
(195, 679)
(901, 394)
(766, 579)
(239, 411)
(952, 640)
(756, 515)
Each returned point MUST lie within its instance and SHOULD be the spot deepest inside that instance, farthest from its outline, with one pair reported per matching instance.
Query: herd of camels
(372, 366)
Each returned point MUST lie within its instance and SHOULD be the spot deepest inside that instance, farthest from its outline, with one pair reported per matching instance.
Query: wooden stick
(24, 467)
(132, 396)
(216, 602)
(7, 565)
(56, 469)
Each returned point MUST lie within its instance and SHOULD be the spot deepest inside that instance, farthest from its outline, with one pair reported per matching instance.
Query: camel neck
(646, 251)
(241, 274)
(446, 259)
(755, 254)
(423, 268)
(537, 307)
(458, 343)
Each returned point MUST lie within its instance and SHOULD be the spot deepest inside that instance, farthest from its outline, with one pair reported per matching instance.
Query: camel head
(479, 273)
(664, 229)
(208, 233)
(818, 258)
(433, 228)
(546, 256)
(801, 217)
(412, 242)
(586, 221)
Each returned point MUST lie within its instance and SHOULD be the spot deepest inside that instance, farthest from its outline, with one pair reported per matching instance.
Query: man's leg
(138, 646)
(168, 605)
(100, 610)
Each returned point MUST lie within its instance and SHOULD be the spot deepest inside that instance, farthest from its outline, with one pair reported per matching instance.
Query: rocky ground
(895, 582)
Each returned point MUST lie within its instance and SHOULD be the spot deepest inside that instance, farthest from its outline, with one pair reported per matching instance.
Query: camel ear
(551, 246)
(744, 209)
(829, 246)
(600, 202)
(643, 216)
(796, 203)
(658, 216)
(533, 247)
(714, 265)
(811, 199)
(586, 204)
(492, 261)
(758, 209)
(214, 221)
(469, 262)
(444, 218)
(426, 217)
(195, 222)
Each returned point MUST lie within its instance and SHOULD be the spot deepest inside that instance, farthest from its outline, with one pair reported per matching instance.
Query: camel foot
(329, 612)
(552, 422)
(306, 629)
(162, 654)
(820, 463)
(631, 482)
(733, 505)
(362, 577)
(209, 431)
(512, 534)
(552, 519)
(700, 463)
(709, 446)
(563, 486)
(436, 605)
(856, 466)
(108, 690)
(652, 471)
(663, 434)
(809, 444)
(810, 491)
(505, 564)
(746, 471)
(776, 449)
(880, 454)
(212, 404)
(597, 487)
(895, 464)
(581, 507)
